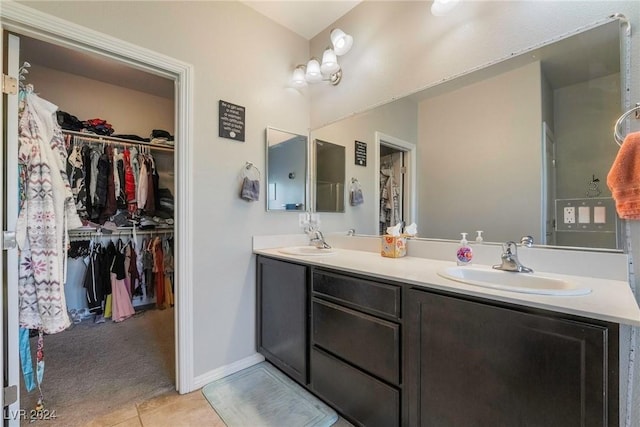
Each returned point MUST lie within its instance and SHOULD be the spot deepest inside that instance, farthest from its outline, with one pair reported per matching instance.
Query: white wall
(128, 111)
(465, 172)
(584, 114)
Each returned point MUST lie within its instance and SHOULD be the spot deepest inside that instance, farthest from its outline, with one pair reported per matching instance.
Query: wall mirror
(330, 176)
(506, 147)
(286, 170)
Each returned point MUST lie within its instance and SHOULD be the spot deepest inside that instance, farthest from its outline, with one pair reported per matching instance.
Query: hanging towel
(250, 189)
(355, 197)
(624, 178)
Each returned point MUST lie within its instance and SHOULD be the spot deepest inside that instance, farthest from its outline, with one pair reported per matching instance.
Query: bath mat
(262, 396)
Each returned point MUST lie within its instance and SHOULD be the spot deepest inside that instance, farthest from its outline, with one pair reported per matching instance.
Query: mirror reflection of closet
(286, 170)
(392, 187)
(330, 176)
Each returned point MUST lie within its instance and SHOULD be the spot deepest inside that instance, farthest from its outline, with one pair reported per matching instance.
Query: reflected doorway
(395, 183)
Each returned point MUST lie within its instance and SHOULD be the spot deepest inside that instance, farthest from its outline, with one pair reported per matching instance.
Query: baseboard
(221, 372)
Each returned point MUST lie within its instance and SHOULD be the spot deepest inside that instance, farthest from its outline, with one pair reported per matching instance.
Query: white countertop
(610, 300)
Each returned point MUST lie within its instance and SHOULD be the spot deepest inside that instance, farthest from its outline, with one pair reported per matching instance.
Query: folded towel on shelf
(250, 190)
(624, 178)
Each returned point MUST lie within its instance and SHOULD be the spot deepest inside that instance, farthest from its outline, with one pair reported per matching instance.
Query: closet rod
(116, 141)
(92, 232)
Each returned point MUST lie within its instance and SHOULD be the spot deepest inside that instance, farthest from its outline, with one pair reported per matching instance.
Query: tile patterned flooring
(170, 410)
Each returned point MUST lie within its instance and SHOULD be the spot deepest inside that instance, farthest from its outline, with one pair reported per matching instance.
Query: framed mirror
(330, 176)
(286, 170)
(506, 147)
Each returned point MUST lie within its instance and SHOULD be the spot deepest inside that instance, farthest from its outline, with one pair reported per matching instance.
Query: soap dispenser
(464, 254)
(479, 238)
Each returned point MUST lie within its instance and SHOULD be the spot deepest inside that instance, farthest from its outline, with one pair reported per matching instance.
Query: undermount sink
(307, 251)
(530, 283)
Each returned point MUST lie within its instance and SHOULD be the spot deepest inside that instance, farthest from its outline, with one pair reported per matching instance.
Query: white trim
(223, 371)
(2, 220)
(11, 210)
(33, 23)
(411, 186)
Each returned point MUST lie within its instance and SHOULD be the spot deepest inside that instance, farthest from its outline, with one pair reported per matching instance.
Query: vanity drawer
(370, 343)
(374, 297)
(360, 397)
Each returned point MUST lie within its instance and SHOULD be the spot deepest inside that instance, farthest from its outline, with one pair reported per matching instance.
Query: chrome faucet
(317, 239)
(510, 260)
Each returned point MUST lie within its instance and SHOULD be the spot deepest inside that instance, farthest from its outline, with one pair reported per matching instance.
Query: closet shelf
(91, 137)
(84, 232)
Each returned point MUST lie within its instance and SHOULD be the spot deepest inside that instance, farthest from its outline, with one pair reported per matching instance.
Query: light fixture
(298, 79)
(442, 7)
(329, 70)
(313, 74)
(329, 62)
(341, 42)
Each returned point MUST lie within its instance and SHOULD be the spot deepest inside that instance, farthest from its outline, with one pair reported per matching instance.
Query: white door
(548, 186)
(9, 258)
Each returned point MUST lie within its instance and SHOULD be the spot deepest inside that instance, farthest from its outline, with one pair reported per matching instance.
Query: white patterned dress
(46, 213)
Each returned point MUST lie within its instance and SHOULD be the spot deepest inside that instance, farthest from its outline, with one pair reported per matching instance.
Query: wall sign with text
(361, 153)
(230, 121)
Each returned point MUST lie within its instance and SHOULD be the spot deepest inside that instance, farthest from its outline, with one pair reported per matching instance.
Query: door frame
(548, 188)
(409, 195)
(26, 21)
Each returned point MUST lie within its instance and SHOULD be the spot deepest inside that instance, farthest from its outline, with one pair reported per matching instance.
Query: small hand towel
(624, 178)
(250, 190)
(356, 197)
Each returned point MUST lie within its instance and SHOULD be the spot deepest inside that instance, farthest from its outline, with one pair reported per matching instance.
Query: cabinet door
(283, 316)
(472, 364)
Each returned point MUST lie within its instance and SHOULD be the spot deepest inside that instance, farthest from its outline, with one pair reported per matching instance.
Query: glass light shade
(329, 62)
(341, 42)
(442, 7)
(298, 79)
(313, 74)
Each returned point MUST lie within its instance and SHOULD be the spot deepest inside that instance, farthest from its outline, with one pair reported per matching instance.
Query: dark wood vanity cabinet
(282, 316)
(387, 354)
(356, 347)
(471, 363)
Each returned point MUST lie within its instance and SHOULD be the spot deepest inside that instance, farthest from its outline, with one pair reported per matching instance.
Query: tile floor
(170, 410)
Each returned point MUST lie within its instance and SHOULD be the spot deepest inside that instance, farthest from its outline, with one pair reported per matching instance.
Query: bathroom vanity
(386, 346)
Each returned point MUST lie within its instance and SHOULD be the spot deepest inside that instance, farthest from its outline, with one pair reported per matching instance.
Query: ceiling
(304, 17)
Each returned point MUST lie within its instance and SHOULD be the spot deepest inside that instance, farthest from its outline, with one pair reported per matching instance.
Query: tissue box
(393, 246)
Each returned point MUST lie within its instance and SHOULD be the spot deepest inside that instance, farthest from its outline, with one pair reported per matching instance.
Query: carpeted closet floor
(94, 369)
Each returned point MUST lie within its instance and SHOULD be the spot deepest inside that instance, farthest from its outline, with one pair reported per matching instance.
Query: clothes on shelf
(107, 180)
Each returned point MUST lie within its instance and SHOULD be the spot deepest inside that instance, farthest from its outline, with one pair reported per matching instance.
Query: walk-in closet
(117, 127)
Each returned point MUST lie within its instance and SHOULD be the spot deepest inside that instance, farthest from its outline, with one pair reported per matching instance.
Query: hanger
(22, 71)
